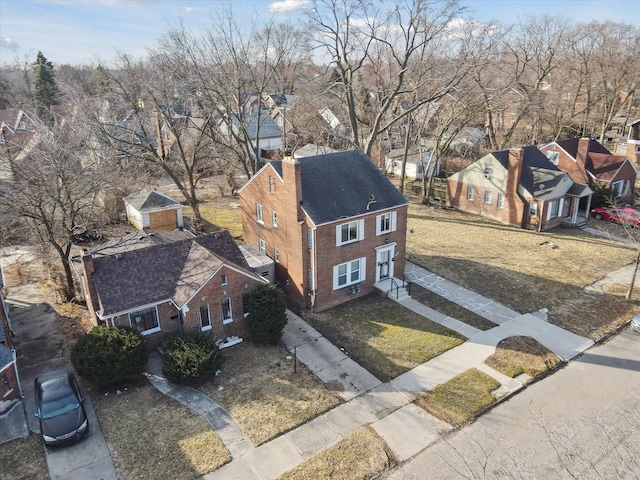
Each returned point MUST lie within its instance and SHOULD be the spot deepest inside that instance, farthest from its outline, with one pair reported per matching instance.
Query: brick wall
(328, 255)
(514, 211)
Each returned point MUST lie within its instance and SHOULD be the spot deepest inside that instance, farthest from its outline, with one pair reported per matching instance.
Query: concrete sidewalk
(387, 407)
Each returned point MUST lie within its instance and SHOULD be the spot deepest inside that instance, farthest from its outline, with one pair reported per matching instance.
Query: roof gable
(149, 199)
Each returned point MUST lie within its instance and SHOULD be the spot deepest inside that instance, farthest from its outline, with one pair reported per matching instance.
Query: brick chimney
(514, 170)
(292, 177)
(87, 262)
(581, 158)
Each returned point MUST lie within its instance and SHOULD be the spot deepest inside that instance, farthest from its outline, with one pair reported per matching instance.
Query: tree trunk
(633, 277)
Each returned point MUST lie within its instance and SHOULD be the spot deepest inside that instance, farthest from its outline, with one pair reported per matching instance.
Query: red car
(623, 216)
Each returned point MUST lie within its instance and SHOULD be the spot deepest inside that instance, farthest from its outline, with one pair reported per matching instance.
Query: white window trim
(533, 208)
(359, 233)
(361, 278)
(262, 246)
(276, 255)
(470, 193)
(487, 197)
(207, 327)
(274, 219)
(259, 214)
(500, 201)
(225, 280)
(227, 321)
(559, 202)
(393, 219)
(151, 330)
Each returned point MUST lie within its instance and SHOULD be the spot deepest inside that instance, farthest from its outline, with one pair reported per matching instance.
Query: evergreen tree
(46, 90)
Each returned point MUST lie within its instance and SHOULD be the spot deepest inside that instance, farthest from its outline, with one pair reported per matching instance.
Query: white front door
(384, 262)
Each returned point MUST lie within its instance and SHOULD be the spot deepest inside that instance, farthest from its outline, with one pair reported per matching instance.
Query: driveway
(581, 422)
(40, 348)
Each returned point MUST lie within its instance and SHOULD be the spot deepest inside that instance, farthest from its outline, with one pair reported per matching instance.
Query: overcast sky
(79, 31)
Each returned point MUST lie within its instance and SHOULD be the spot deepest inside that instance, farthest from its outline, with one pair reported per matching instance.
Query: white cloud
(194, 9)
(6, 42)
(287, 5)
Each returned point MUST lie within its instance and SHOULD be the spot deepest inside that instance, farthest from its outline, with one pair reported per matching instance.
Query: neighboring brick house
(198, 284)
(519, 187)
(9, 383)
(587, 161)
(333, 224)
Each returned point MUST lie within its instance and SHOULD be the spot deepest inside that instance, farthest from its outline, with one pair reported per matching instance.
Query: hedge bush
(267, 314)
(190, 359)
(109, 355)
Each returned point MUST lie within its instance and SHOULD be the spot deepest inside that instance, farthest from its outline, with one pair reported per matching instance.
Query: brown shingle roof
(173, 271)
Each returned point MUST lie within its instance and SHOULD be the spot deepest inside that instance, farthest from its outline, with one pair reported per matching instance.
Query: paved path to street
(220, 420)
(387, 407)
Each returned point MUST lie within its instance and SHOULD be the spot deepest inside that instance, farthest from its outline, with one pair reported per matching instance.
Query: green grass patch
(222, 212)
(360, 456)
(447, 307)
(383, 336)
(462, 397)
(517, 355)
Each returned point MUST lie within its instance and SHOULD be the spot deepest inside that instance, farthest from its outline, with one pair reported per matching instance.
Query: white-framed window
(145, 321)
(620, 188)
(262, 246)
(272, 187)
(487, 197)
(227, 314)
(533, 208)
(274, 219)
(386, 223)
(225, 280)
(488, 171)
(349, 232)
(205, 318)
(259, 216)
(276, 255)
(554, 208)
(349, 273)
(470, 192)
(500, 200)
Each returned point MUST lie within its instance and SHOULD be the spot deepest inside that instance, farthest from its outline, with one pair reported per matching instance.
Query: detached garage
(153, 210)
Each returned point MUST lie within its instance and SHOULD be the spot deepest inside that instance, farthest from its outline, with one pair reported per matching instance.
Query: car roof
(46, 377)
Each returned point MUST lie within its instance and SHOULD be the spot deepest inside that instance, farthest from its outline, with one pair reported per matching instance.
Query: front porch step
(389, 288)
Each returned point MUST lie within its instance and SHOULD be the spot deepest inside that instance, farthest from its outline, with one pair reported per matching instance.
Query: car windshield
(58, 398)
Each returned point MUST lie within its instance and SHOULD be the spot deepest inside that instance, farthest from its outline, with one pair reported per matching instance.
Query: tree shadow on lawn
(570, 307)
(384, 337)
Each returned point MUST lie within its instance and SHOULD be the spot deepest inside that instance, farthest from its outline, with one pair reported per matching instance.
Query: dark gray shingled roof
(268, 128)
(168, 271)
(539, 176)
(146, 199)
(342, 185)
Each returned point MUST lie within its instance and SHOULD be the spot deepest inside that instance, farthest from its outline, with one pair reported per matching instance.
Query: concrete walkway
(221, 422)
(385, 407)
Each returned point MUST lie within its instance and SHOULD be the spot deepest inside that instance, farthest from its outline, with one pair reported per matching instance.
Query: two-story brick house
(333, 223)
(198, 284)
(519, 187)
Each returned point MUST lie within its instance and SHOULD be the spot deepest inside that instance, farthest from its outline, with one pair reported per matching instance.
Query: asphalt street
(581, 422)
